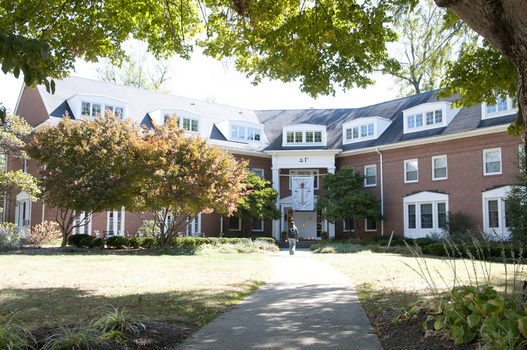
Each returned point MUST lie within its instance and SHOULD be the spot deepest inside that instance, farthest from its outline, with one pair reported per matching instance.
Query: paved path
(306, 305)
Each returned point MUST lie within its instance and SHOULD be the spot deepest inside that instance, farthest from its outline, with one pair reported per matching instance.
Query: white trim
(407, 161)
(365, 174)
(500, 195)
(418, 199)
(304, 128)
(229, 224)
(366, 226)
(433, 168)
(117, 231)
(485, 152)
(510, 110)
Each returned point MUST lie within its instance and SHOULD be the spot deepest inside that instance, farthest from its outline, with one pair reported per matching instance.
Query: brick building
(422, 157)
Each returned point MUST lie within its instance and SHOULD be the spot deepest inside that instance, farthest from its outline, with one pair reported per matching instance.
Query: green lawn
(49, 289)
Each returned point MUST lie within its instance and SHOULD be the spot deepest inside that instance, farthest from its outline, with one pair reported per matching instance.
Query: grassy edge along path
(389, 281)
(56, 290)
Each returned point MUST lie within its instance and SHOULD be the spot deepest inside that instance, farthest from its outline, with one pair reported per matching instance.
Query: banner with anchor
(303, 194)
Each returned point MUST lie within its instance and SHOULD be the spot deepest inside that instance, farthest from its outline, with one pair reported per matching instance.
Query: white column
(276, 186)
(331, 226)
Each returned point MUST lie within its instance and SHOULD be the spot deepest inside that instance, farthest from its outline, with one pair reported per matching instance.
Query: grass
(389, 281)
(46, 290)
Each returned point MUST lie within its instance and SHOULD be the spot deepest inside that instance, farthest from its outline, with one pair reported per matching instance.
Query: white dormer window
(304, 135)
(189, 121)
(239, 132)
(428, 116)
(364, 129)
(503, 106)
(91, 106)
(190, 124)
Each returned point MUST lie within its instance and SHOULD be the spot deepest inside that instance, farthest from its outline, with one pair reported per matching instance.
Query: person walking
(292, 236)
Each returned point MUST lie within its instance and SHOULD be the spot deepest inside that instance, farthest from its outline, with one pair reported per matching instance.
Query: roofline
(303, 151)
(427, 140)
(245, 153)
(15, 111)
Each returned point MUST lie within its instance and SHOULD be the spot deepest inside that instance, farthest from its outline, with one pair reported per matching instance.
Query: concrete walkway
(306, 305)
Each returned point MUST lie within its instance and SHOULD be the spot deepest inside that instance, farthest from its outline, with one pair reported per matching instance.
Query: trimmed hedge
(77, 240)
(117, 242)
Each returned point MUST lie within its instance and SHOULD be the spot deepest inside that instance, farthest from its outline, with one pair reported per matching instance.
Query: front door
(306, 222)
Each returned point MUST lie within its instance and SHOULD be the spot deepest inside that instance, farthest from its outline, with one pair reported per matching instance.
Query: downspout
(382, 190)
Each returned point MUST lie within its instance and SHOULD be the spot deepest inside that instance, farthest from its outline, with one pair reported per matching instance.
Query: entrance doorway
(309, 223)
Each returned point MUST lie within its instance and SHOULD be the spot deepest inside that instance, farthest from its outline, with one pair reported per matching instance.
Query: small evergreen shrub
(269, 240)
(133, 243)
(76, 239)
(86, 242)
(436, 249)
(147, 242)
(425, 241)
(97, 243)
(116, 242)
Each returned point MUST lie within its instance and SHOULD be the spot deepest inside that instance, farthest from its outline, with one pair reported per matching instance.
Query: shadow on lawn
(44, 307)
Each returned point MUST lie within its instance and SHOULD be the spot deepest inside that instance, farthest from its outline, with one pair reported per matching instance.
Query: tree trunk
(503, 23)
(247, 225)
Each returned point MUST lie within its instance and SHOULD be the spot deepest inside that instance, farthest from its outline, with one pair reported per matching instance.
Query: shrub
(457, 223)
(425, 241)
(229, 235)
(9, 236)
(133, 243)
(436, 249)
(86, 242)
(147, 242)
(76, 239)
(44, 233)
(116, 242)
(97, 243)
(269, 240)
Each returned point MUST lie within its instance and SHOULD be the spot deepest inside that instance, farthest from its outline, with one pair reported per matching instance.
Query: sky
(207, 79)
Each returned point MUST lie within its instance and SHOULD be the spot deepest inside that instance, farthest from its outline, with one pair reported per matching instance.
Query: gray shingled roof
(141, 102)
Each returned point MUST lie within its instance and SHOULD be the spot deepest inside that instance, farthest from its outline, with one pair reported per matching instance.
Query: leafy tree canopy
(345, 197)
(257, 202)
(90, 166)
(183, 177)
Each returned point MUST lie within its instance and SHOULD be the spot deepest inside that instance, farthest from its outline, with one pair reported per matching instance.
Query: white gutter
(382, 190)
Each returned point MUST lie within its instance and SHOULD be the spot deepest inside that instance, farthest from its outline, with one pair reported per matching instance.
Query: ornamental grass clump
(118, 319)
(80, 336)
(13, 336)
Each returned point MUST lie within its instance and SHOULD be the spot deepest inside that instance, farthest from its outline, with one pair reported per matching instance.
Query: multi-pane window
(412, 223)
(371, 225)
(501, 105)
(439, 168)
(349, 225)
(427, 218)
(311, 137)
(258, 225)
(234, 223)
(193, 227)
(493, 214)
(81, 225)
(370, 173)
(428, 118)
(492, 161)
(441, 215)
(190, 124)
(251, 134)
(356, 132)
(258, 172)
(410, 170)
(92, 109)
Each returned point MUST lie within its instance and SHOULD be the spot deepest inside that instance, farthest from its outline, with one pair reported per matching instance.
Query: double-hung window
(410, 171)
(439, 168)
(190, 124)
(425, 213)
(370, 173)
(492, 161)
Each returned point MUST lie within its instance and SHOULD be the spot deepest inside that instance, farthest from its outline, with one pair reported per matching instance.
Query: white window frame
(299, 133)
(240, 126)
(499, 195)
(510, 109)
(262, 223)
(258, 172)
(406, 171)
(84, 229)
(239, 228)
(418, 200)
(434, 178)
(366, 167)
(485, 153)
(23, 200)
(190, 120)
(345, 226)
(194, 227)
(521, 155)
(312, 173)
(117, 231)
(366, 229)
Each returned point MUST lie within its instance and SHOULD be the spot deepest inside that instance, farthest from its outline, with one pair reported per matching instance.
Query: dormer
(364, 129)
(304, 135)
(428, 116)
(191, 122)
(89, 105)
(241, 130)
(503, 106)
